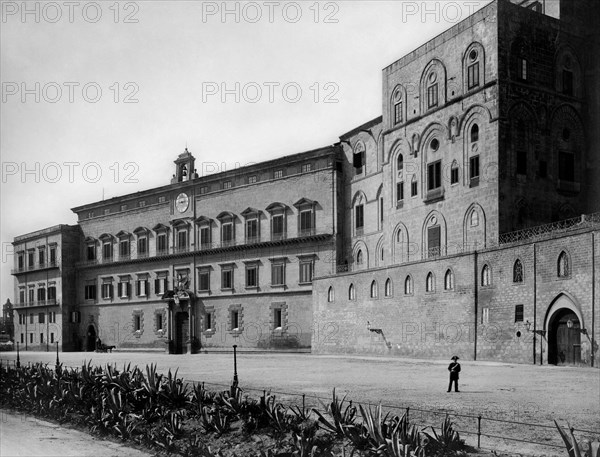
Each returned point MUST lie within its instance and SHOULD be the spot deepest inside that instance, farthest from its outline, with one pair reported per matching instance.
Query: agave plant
(573, 447)
(447, 442)
(341, 416)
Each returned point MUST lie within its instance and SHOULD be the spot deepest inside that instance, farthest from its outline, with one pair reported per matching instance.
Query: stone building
(464, 219)
(486, 130)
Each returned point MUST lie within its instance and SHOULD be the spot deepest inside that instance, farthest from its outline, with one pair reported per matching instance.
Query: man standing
(454, 369)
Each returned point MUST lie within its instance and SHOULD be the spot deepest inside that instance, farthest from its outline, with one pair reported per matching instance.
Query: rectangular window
(142, 246)
(485, 316)
(21, 262)
(52, 256)
(161, 244)
(22, 338)
(277, 321)
(235, 320)
(521, 162)
(358, 160)
(107, 211)
(400, 191)
(306, 221)
(31, 295)
(252, 179)
(567, 82)
(474, 171)
(522, 69)
(41, 338)
(52, 293)
(107, 251)
(432, 96)
(31, 338)
(204, 190)
(162, 199)
(398, 113)
(142, 203)
(41, 257)
(91, 252)
(454, 175)
(252, 230)
(21, 296)
(519, 313)
(359, 216)
(159, 321)
(90, 292)
(41, 295)
(208, 321)
(252, 276)
(107, 291)
(433, 241)
(227, 278)
(124, 249)
(278, 274)
(124, 289)
(205, 237)
(137, 322)
(434, 175)
(227, 233)
(204, 280)
(182, 240)
(306, 272)
(31, 318)
(566, 166)
(41, 318)
(413, 188)
(306, 167)
(278, 174)
(52, 337)
(227, 185)
(277, 227)
(30, 260)
(141, 287)
(473, 75)
(160, 286)
(123, 207)
(52, 317)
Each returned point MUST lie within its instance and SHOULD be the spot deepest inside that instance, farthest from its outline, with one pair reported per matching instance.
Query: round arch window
(435, 144)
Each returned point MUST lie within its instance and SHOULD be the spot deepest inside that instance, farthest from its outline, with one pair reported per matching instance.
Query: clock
(182, 202)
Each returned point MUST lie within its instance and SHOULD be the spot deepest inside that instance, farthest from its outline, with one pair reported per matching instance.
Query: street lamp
(537, 332)
(580, 330)
(234, 386)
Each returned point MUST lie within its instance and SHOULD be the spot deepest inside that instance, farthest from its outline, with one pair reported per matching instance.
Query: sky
(99, 98)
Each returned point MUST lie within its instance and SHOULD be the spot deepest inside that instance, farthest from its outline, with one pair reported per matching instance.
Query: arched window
(518, 271)
(432, 90)
(413, 186)
(474, 133)
(330, 294)
(359, 257)
(454, 173)
(351, 292)
(449, 280)
(408, 285)
(388, 287)
(398, 106)
(474, 218)
(473, 73)
(381, 254)
(400, 163)
(563, 265)
(374, 289)
(429, 285)
(485, 276)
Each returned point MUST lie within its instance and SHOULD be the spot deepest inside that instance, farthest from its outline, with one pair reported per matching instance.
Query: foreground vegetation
(172, 417)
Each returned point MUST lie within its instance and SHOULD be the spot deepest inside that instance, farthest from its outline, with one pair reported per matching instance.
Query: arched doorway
(564, 338)
(91, 339)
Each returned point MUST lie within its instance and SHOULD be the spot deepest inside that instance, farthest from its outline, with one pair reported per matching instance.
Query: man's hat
(454, 358)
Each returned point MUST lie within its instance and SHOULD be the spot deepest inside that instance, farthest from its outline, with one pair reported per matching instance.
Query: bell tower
(184, 167)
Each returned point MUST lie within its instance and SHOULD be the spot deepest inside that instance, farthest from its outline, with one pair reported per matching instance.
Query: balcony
(162, 252)
(181, 249)
(227, 243)
(37, 303)
(306, 232)
(252, 240)
(434, 195)
(278, 236)
(35, 267)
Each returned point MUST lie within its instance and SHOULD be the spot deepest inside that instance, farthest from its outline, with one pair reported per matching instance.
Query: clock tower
(184, 167)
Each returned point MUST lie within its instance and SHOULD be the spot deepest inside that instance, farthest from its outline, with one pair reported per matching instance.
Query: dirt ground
(497, 391)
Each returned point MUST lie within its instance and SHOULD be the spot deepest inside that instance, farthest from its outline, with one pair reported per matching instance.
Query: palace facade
(465, 219)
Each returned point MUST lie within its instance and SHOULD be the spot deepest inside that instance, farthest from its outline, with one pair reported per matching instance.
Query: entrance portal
(564, 339)
(181, 333)
(91, 339)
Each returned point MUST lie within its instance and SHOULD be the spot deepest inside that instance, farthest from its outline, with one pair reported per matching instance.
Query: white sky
(59, 153)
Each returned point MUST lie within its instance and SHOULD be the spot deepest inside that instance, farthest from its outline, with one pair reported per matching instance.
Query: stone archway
(563, 322)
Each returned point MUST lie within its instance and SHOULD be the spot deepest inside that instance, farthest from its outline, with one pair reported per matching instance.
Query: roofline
(208, 178)
(364, 126)
(44, 232)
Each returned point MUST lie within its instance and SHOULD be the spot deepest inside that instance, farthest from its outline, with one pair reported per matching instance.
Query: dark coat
(454, 369)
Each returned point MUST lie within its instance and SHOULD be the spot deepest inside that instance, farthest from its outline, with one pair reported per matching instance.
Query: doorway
(564, 338)
(181, 333)
(91, 339)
